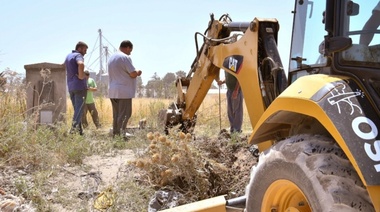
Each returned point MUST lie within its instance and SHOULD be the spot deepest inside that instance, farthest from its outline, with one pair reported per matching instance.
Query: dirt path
(68, 188)
(85, 182)
(109, 166)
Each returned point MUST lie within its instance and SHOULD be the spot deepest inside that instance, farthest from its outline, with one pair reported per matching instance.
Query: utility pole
(100, 54)
(106, 53)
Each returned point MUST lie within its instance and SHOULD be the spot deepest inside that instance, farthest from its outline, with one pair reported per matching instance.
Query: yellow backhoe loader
(316, 126)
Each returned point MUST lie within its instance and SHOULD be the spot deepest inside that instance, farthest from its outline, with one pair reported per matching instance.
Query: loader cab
(337, 37)
(307, 38)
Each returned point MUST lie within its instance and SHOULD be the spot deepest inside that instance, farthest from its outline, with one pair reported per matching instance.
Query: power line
(103, 52)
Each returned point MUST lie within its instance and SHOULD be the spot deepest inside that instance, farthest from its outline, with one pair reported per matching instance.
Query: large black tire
(313, 167)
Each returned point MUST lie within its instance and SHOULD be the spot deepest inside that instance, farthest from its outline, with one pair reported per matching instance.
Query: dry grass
(211, 116)
(193, 169)
(171, 159)
(141, 108)
(40, 150)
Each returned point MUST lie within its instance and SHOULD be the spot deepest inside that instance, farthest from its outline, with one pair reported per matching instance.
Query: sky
(162, 32)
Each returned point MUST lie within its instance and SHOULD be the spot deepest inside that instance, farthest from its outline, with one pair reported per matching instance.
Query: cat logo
(233, 63)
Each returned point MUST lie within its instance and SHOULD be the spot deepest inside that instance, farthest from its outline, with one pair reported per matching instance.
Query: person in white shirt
(122, 86)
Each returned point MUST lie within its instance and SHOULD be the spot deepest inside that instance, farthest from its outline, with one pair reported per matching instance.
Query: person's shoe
(235, 131)
(224, 134)
(76, 130)
(127, 136)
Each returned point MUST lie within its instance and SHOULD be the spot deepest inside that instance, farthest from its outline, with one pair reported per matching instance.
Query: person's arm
(135, 74)
(93, 86)
(129, 66)
(219, 82)
(80, 70)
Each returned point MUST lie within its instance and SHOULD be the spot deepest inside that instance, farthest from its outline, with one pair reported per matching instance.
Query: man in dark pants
(122, 86)
(234, 102)
(76, 84)
(89, 106)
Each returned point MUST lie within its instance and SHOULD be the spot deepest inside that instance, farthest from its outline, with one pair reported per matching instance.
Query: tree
(149, 89)
(140, 87)
(180, 73)
(154, 87)
(155, 76)
(169, 86)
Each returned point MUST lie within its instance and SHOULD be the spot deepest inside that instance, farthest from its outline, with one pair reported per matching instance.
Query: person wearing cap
(76, 83)
(89, 105)
(122, 86)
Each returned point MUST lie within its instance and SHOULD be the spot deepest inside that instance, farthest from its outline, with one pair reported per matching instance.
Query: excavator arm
(248, 51)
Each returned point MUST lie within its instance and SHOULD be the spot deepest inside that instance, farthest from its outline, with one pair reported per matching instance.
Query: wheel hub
(284, 195)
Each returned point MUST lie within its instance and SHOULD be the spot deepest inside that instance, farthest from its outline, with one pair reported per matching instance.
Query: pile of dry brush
(195, 169)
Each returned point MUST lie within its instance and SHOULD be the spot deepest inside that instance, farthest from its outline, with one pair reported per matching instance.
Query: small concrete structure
(46, 92)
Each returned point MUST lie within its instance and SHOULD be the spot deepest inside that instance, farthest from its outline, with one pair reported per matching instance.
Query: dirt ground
(100, 171)
(85, 182)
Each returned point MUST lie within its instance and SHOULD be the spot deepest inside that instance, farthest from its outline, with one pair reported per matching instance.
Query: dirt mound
(235, 155)
(195, 169)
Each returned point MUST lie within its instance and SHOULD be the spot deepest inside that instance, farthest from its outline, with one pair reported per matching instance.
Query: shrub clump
(172, 163)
